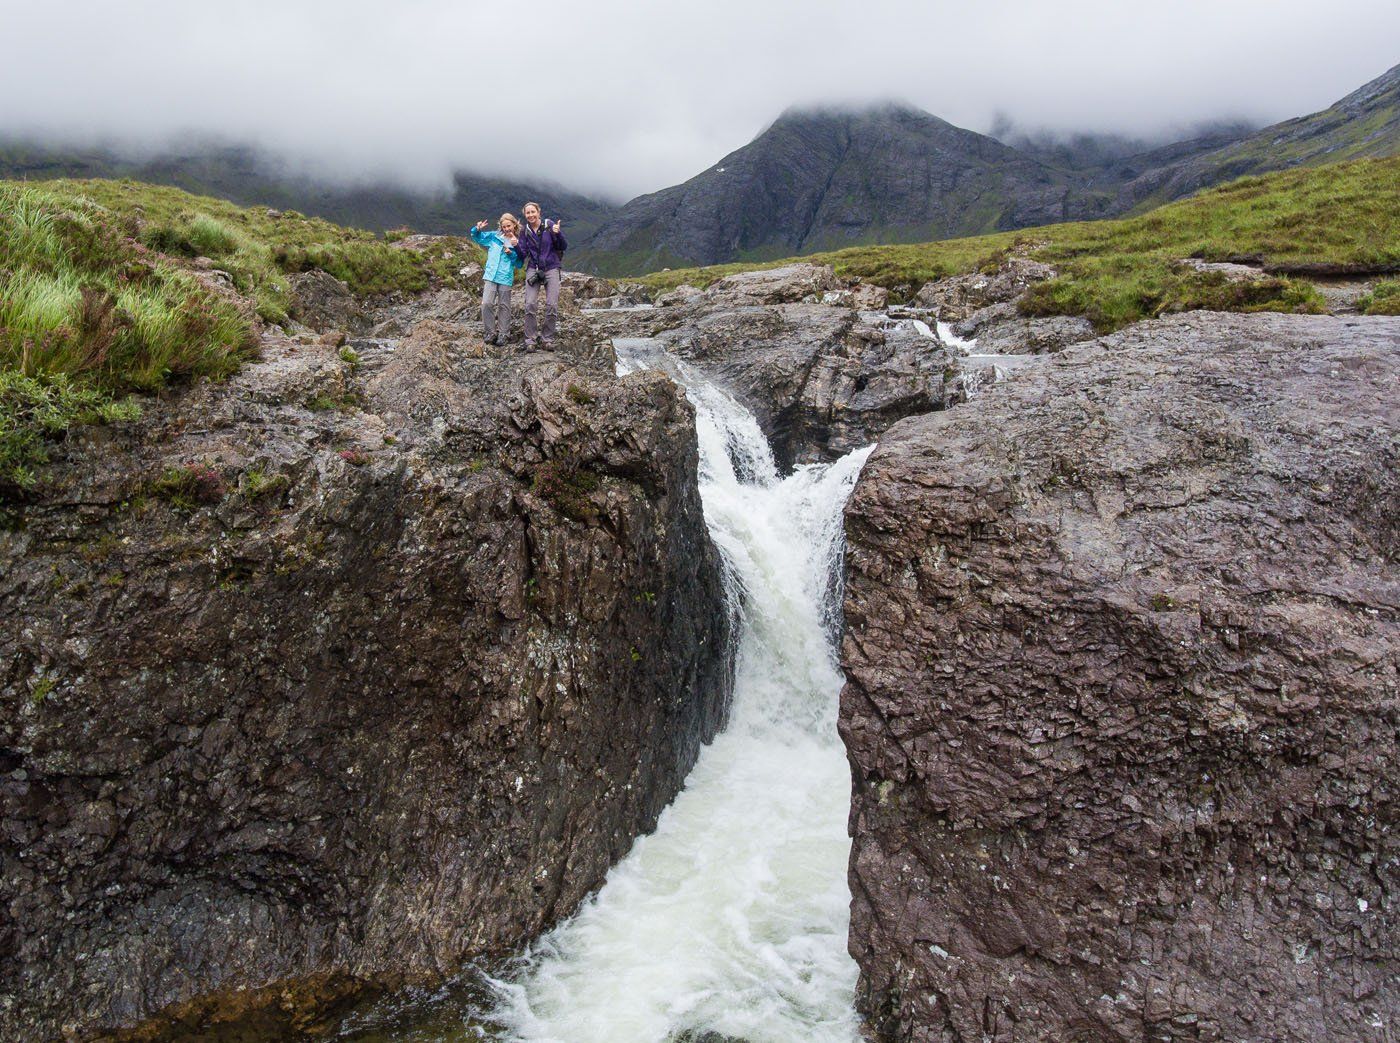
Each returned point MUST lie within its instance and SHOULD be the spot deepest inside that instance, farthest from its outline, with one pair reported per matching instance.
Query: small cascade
(731, 918)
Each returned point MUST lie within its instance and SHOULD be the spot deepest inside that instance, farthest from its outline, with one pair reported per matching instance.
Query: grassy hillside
(100, 298)
(250, 177)
(1116, 272)
(1363, 125)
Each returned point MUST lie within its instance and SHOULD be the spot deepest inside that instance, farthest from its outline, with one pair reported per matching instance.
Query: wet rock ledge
(365, 663)
(1122, 703)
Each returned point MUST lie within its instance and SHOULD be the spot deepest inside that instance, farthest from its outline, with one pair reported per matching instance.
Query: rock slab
(1122, 694)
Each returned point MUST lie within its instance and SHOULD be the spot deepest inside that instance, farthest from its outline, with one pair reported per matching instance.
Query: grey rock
(785, 285)
(1122, 655)
(822, 379)
(959, 296)
(1021, 336)
(323, 302)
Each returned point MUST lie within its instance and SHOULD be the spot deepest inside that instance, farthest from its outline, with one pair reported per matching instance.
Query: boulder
(958, 296)
(785, 285)
(682, 294)
(323, 302)
(1122, 695)
(587, 287)
(1000, 329)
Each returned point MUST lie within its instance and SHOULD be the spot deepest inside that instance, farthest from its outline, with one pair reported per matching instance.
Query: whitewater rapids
(731, 917)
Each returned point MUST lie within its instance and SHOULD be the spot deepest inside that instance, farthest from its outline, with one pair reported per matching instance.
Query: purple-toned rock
(1122, 701)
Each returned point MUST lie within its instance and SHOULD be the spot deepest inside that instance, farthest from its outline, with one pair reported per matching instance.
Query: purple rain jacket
(543, 249)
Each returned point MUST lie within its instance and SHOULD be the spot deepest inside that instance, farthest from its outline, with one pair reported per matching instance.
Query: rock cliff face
(1122, 694)
(341, 673)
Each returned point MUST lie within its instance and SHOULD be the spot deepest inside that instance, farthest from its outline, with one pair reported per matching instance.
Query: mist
(616, 99)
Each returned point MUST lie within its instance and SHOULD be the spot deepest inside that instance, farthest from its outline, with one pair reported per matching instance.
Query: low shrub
(567, 485)
(189, 486)
(34, 411)
(1384, 299)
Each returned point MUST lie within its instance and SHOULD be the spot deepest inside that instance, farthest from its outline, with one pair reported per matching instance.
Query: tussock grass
(1383, 300)
(1116, 272)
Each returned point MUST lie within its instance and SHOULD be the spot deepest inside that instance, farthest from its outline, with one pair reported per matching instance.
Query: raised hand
(557, 226)
(511, 240)
(480, 225)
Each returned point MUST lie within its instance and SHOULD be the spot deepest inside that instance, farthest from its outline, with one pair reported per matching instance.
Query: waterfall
(731, 917)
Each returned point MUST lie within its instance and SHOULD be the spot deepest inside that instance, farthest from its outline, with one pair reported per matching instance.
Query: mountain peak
(863, 111)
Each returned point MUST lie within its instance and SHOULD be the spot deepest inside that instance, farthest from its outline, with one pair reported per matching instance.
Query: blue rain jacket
(501, 260)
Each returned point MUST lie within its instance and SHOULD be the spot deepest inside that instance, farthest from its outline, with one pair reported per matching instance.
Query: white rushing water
(731, 917)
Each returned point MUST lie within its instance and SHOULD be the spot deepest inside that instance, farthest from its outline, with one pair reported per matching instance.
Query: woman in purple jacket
(541, 244)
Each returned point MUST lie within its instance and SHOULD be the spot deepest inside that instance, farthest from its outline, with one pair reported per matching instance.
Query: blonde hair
(509, 218)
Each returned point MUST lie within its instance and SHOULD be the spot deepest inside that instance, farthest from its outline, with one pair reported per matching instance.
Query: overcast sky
(620, 98)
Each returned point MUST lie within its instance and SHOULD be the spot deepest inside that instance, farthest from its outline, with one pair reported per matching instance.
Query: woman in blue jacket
(498, 276)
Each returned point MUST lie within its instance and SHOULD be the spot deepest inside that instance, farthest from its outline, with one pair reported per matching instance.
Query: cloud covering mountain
(619, 98)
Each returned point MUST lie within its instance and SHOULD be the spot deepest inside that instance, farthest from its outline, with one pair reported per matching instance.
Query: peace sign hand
(480, 225)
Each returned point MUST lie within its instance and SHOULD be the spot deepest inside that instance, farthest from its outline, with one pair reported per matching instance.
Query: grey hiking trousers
(551, 305)
(495, 310)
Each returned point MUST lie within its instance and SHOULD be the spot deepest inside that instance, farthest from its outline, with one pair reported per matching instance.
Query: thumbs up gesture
(557, 226)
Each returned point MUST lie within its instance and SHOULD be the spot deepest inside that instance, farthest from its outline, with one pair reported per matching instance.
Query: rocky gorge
(373, 660)
(1121, 651)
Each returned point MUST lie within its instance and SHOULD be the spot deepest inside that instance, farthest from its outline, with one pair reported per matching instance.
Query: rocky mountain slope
(814, 180)
(1366, 123)
(1123, 678)
(327, 678)
(819, 179)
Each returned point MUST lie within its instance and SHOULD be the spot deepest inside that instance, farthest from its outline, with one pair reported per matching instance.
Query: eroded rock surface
(1122, 694)
(342, 672)
(958, 296)
(822, 375)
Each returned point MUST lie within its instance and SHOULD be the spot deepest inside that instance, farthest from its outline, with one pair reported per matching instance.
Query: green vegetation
(34, 409)
(41, 690)
(79, 299)
(257, 247)
(1383, 300)
(257, 483)
(189, 486)
(1116, 272)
